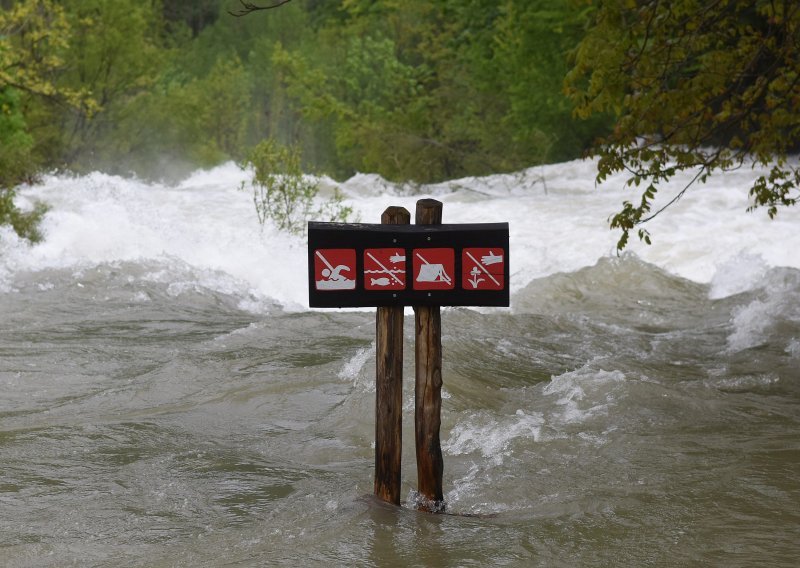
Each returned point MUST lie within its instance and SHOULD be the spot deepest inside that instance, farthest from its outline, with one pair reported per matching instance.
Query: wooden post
(389, 387)
(428, 385)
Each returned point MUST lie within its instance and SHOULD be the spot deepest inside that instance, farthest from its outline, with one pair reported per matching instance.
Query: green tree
(213, 113)
(24, 223)
(373, 98)
(33, 40)
(530, 47)
(197, 14)
(217, 96)
(117, 51)
(15, 166)
(438, 89)
(695, 86)
(15, 141)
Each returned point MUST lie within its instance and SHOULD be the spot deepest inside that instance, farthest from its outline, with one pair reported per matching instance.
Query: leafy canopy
(695, 86)
(33, 40)
(434, 90)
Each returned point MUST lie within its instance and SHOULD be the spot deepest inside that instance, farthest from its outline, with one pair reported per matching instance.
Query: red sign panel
(482, 268)
(384, 269)
(335, 269)
(434, 268)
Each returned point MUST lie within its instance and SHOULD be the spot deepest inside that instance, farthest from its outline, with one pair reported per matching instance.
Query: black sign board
(357, 265)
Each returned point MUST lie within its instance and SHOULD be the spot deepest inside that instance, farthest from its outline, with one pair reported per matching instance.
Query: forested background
(423, 91)
(416, 91)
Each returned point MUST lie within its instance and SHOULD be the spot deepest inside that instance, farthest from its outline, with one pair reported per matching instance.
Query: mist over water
(168, 399)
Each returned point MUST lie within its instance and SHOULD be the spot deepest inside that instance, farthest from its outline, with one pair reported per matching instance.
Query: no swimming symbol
(335, 269)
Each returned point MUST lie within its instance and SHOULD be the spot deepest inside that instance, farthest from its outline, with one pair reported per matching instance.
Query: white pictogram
(475, 280)
(432, 272)
(490, 258)
(480, 268)
(333, 279)
(383, 270)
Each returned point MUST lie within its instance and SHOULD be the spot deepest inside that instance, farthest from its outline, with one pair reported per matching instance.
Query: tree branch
(674, 199)
(249, 7)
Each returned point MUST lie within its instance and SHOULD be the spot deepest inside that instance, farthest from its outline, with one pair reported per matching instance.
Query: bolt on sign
(359, 265)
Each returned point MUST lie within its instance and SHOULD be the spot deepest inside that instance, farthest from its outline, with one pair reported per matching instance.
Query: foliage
(283, 194)
(374, 101)
(434, 90)
(25, 224)
(15, 141)
(34, 38)
(423, 90)
(32, 41)
(116, 52)
(197, 14)
(532, 40)
(15, 146)
(212, 112)
(694, 86)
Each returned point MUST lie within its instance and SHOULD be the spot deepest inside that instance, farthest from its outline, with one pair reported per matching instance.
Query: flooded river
(168, 399)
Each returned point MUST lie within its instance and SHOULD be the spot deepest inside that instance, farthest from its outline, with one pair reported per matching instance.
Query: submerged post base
(418, 501)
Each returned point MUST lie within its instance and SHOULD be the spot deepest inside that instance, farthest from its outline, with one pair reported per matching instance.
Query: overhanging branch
(249, 7)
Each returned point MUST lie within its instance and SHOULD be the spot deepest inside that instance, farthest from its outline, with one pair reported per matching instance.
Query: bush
(25, 224)
(283, 194)
(16, 166)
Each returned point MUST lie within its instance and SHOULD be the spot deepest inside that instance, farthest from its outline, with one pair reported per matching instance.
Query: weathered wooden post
(389, 387)
(392, 265)
(428, 384)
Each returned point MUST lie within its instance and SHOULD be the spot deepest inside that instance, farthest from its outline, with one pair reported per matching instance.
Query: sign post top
(360, 264)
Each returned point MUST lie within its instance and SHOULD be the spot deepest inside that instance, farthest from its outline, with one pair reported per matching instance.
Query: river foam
(558, 222)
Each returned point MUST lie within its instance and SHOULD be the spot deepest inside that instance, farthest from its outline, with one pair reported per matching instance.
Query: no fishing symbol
(384, 269)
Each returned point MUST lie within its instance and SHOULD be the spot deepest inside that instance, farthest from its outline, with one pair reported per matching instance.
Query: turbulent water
(168, 399)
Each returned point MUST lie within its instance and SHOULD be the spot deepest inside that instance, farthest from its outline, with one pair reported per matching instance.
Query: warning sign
(384, 269)
(434, 268)
(335, 269)
(482, 269)
(360, 264)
